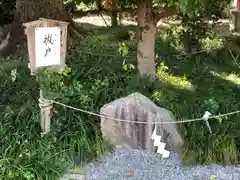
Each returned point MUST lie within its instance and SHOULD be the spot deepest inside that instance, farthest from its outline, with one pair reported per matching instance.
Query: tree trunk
(146, 40)
(114, 13)
(30, 10)
(121, 14)
(99, 5)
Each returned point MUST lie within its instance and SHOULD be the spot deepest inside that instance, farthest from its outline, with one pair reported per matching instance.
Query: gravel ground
(150, 166)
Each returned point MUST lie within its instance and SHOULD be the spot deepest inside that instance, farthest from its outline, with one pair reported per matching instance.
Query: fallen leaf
(129, 172)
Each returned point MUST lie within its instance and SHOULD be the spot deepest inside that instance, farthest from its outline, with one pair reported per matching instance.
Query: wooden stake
(45, 113)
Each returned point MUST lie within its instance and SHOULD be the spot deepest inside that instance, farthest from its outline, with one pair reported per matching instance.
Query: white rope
(140, 122)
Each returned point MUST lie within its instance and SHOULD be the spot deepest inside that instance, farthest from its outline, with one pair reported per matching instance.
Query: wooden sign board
(47, 41)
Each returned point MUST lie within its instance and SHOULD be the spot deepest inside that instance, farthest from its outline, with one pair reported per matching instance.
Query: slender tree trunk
(30, 10)
(114, 13)
(99, 5)
(146, 40)
(121, 14)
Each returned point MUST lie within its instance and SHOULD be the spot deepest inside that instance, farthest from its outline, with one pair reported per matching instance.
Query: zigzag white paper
(157, 140)
(165, 154)
(161, 146)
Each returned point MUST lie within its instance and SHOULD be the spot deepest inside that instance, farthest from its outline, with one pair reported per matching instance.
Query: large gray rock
(137, 107)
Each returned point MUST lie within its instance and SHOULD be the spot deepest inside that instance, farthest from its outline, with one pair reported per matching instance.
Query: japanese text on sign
(47, 46)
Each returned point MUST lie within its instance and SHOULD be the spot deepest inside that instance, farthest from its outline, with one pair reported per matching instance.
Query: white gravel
(150, 166)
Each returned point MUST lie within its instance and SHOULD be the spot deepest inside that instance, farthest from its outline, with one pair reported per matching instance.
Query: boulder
(138, 108)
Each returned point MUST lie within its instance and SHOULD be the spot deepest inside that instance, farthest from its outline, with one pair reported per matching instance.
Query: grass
(186, 85)
(198, 91)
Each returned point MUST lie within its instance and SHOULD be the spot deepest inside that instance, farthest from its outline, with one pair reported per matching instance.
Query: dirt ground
(222, 28)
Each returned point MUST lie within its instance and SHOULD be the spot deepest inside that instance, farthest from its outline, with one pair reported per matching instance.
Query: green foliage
(203, 8)
(211, 105)
(24, 153)
(194, 14)
(211, 43)
(188, 88)
(56, 84)
(123, 49)
(170, 40)
(168, 79)
(173, 40)
(14, 75)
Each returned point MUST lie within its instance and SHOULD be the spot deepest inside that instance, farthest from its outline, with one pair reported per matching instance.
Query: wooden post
(45, 113)
(47, 40)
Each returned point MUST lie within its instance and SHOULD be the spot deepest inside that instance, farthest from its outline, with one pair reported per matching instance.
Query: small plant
(123, 50)
(162, 67)
(52, 81)
(211, 43)
(127, 66)
(212, 177)
(14, 75)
